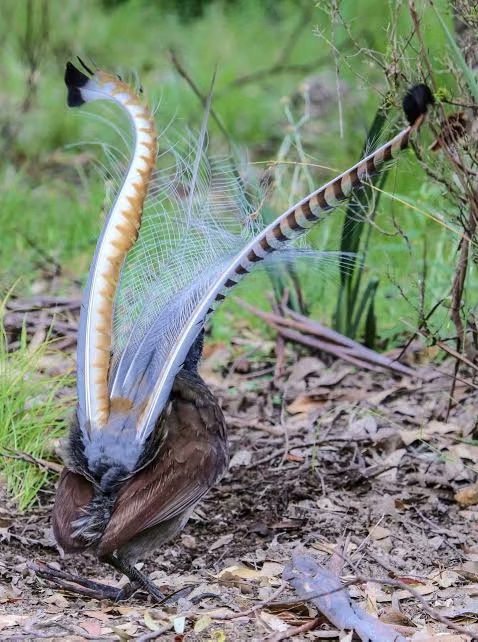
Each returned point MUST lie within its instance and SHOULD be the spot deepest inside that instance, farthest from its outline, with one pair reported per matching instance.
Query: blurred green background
(298, 82)
(305, 60)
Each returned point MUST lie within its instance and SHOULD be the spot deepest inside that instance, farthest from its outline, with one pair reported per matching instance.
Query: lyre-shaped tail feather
(118, 236)
(294, 222)
(199, 237)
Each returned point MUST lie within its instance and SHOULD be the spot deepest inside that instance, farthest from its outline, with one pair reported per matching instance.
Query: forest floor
(324, 458)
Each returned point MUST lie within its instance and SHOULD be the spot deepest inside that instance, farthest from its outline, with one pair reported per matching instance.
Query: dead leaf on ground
(467, 496)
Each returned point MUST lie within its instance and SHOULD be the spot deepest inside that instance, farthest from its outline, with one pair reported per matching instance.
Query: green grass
(33, 407)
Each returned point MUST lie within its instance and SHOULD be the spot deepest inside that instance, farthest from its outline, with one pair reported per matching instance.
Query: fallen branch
(324, 589)
(44, 464)
(301, 329)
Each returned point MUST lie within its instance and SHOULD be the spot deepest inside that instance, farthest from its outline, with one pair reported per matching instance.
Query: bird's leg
(136, 577)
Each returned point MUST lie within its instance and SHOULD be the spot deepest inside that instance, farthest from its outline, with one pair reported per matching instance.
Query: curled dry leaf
(467, 496)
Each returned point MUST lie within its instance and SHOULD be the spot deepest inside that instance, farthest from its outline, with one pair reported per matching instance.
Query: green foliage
(457, 56)
(32, 414)
(353, 302)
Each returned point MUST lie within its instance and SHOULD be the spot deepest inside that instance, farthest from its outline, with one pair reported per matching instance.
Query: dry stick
(33, 631)
(184, 74)
(362, 579)
(296, 630)
(365, 353)
(36, 461)
(457, 289)
(255, 608)
(154, 635)
(334, 342)
(306, 576)
(464, 176)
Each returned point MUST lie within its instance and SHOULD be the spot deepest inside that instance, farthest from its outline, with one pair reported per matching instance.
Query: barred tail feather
(294, 222)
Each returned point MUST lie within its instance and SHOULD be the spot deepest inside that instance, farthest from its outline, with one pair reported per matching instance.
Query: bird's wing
(72, 496)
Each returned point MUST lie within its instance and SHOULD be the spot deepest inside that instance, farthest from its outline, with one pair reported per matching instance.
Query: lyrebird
(149, 439)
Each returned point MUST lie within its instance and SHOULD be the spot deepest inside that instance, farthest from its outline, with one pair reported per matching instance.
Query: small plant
(354, 302)
(33, 406)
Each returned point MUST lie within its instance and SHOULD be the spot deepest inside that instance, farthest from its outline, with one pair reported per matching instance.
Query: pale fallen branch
(301, 329)
(43, 464)
(324, 590)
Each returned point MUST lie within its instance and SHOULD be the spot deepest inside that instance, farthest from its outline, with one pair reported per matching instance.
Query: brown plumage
(156, 502)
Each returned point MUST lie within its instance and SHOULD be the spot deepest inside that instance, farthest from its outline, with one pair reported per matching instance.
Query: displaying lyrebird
(149, 439)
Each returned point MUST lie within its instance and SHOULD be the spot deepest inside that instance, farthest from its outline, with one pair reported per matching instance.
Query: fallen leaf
(306, 403)
(8, 620)
(150, 622)
(202, 624)
(272, 569)
(92, 627)
(101, 615)
(467, 496)
(179, 624)
(222, 541)
(241, 457)
(272, 621)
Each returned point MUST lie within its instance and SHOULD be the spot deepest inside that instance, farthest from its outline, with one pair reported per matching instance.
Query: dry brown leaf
(150, 622)
(469, 570)
(306, 403)
(303, 368)
(272, 569)
(92, 627)
(7, 620)
(464, 451)
(241, 457)
(467, 496)
(102, 616)
(202, 624)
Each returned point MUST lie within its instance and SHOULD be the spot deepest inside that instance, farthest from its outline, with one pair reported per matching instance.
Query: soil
(378, 468)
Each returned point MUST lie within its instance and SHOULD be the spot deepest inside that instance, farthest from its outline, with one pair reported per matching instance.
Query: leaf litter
(326, 461)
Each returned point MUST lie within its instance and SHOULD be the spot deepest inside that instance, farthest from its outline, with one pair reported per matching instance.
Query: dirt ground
(324, 458)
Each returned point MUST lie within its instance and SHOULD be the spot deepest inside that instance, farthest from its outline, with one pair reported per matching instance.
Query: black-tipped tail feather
(74, 80)
(416, 102)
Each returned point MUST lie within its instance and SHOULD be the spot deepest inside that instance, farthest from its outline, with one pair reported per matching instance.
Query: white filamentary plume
(149, 294)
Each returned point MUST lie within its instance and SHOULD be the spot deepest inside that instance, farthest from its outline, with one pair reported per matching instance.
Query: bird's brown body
(153, 504)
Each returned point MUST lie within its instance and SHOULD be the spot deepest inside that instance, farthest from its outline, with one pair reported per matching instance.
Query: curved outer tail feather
(118, 236)
(296, 221)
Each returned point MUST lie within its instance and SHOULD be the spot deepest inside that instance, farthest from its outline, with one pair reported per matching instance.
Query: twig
(310, 564)
(306, 576)
(154, 635)
(184, 74)
(327, 340)
(36, 461)
(255, 608)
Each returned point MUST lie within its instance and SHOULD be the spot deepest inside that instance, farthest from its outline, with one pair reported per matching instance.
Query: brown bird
(149, 439)
(153, 505)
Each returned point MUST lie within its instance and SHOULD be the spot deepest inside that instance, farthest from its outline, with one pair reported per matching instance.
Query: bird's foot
(96, 590)
(141, 581)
